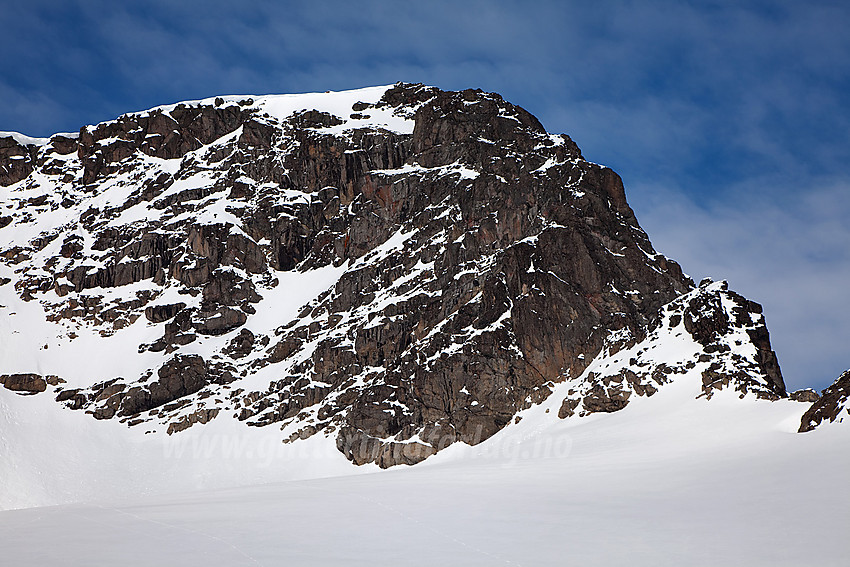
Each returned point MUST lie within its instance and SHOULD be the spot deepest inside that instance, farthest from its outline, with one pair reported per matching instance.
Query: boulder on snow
(24, 383)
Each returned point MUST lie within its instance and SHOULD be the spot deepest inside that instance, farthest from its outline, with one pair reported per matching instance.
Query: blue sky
(728, 121)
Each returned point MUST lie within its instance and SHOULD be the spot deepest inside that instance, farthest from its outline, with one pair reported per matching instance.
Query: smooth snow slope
(671, 480)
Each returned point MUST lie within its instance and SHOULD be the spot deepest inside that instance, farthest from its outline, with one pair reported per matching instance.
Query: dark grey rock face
(481, 261)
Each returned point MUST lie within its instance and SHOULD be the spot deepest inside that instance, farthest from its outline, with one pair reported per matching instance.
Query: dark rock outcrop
(24, 383)
(830, 407)
(162, 313)
(180, 376)
(157, 134)
(806, 395)
(17, 160)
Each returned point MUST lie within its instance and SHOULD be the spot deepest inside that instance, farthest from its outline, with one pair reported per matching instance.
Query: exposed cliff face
(401, 267)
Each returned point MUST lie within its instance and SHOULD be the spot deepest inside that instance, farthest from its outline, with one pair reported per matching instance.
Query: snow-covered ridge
(337, 103)
(25, 140)
(279, 107)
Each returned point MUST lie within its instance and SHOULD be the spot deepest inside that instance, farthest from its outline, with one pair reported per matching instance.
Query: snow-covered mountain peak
(393, 269)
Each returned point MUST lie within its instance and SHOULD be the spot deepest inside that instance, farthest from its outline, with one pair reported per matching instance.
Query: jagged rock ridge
(401, 267)
(710, 331)
(830, 406)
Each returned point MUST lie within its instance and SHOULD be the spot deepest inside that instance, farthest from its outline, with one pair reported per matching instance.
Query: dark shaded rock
(567, 408)
(63, 144)
(180, 376)
(73, 398)
(162, 313)
(361, 449)
(164, 135)
(66, 395)
(705, 319)
(227, 287)
(71, 247)
(831, 406)
(222, 246)
(109, 390)
(218, 322)
(719, 318)
(807, 396)
(315, 119)
(601, 400)
(241, 345)
(199, 416)
(17, 160)
(24, 383)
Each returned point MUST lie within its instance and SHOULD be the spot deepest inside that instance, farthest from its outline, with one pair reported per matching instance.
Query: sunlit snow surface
(671, 480)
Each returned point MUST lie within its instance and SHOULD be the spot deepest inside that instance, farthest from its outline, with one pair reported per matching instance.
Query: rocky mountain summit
(398, 267)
